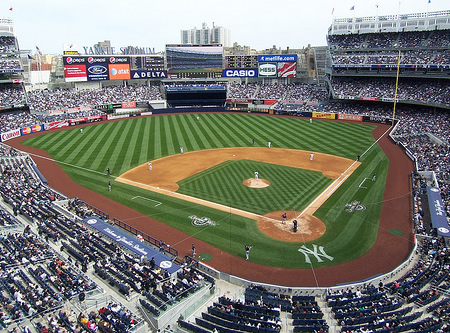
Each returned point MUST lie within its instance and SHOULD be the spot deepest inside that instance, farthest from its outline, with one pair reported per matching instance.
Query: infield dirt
(167, 171)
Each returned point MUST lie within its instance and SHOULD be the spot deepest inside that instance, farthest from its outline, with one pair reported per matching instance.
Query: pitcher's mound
(252, 182)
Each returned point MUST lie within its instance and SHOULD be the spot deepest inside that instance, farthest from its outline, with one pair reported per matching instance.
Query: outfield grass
(128, 143)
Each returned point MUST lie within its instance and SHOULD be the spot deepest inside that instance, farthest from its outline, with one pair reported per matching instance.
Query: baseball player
(311, 157)
(81, 131)
(181, 149)
(269, 144)
(193, 250)
(283, 218)
(256, 175)
(247, 251)
(150, 166)
(374, 177)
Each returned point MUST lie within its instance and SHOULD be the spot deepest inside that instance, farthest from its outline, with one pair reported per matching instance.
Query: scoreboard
(238, 61)
(140, 63)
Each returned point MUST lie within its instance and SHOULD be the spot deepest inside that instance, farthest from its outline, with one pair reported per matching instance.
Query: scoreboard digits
(248, 61)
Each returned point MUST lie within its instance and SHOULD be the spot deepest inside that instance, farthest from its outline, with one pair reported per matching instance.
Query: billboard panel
(287, 69)
(240, 72)
(97, 72)
(75, 73)
(119, 71)
(148, 74)
(278, 58)
(267, 69)
(194, 60)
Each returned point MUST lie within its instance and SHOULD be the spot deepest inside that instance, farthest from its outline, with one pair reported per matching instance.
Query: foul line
(71, 165)
(363, 183)
(138, 196)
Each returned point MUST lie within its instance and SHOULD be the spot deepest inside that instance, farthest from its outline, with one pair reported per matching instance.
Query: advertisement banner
(287, 69)
(240, 72)
(267, 69)
(131, 243)
(148, 74)
(74, 60)
(10, 135)
(278, 58)
(128, 105)
(350, 117)
(81, 108)
(56, 124)
(75, 73)
(270, 101)
(85, 119)
(437, 211)
(97, 72)
(369, 98)
(118, 60)
(239, 100)
(119, 71)
(55, 112)
(324, 115)
(32, 129)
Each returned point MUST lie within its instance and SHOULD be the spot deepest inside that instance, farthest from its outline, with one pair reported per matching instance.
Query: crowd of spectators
(11, 95)
(409, 90)
(413, 39)
(63, 99)
(9, 60)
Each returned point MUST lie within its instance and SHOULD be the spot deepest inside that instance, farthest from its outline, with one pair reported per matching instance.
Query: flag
(30, 57)
(38, 50)
(353, 8)
(376, 5)
(429, 1)
(10, 8)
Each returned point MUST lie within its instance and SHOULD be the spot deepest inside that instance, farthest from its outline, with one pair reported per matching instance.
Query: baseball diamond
(349, 239)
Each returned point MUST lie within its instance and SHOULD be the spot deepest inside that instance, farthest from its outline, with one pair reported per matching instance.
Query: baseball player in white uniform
(256, 175)
(150, 166)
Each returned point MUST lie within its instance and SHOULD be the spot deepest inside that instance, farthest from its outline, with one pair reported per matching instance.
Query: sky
(49, 24)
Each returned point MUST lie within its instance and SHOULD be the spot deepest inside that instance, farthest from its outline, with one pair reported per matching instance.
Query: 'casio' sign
(97, 69)
(240, 73)
(267, 69)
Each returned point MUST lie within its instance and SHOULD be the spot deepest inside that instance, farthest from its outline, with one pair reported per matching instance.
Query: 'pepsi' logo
(90, 60)
(69, 60)
(112, 60)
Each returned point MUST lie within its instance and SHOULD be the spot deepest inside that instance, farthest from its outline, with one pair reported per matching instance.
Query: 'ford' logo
(97, 69)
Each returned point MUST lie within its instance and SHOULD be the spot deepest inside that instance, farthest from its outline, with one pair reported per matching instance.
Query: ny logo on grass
(307, 252)
(201, 221)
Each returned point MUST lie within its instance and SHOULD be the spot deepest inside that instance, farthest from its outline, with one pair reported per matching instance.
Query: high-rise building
(206, 35)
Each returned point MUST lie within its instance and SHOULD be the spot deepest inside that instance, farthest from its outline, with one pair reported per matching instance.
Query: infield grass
(125, 144)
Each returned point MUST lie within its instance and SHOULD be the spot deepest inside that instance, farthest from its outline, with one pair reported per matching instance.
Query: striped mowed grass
(125, 144)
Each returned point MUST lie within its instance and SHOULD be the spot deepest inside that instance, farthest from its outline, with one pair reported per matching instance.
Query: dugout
(195, 96)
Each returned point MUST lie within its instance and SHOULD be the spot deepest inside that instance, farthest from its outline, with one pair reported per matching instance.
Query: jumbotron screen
(194, 61)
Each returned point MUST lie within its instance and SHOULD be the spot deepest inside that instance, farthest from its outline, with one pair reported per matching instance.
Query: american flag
(38, 50)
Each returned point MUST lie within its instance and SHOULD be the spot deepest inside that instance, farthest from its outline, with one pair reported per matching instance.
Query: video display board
(194, 61)
(99, 68)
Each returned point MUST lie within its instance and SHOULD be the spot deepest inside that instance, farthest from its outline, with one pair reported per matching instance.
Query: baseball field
(231, 213)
